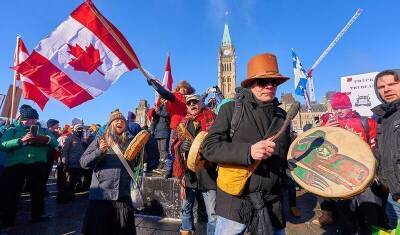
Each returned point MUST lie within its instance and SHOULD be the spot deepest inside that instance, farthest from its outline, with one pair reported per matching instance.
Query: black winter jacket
(205, 178)
(388, 138)
(72, 151)
(160, 124)
(388, 150)
(259, 121)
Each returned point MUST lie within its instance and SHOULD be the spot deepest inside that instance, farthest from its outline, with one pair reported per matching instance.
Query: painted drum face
(326, 163)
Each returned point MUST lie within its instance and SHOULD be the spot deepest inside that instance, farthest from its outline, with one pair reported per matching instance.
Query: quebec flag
(301, 86)
(300, 79)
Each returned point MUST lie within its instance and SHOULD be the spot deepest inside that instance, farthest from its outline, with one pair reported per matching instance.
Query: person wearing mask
(26, 146)
(110, 209)
(71, 154)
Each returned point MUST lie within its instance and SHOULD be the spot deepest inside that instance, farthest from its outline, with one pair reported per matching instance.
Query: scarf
(206, 119)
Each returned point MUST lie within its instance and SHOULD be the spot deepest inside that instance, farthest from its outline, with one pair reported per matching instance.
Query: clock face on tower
(227, 52)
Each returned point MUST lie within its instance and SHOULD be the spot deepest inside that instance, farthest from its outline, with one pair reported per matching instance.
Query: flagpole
(116, 37)
(16, 62)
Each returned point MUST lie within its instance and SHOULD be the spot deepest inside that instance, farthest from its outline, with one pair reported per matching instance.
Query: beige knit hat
(116, 114)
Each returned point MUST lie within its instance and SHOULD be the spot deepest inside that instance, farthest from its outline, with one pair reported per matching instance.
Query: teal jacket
(16, 153)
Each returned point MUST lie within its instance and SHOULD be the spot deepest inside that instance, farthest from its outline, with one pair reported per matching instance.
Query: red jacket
(176, 109)
(352, 122)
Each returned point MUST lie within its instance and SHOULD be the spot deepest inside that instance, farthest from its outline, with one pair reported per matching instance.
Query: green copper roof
(226, 39)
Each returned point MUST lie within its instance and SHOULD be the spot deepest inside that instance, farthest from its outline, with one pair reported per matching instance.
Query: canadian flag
(168, 79)
(29, 90)
(81, 59)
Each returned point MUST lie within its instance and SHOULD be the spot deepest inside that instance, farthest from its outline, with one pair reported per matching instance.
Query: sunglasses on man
(266, 82)
(192, 102)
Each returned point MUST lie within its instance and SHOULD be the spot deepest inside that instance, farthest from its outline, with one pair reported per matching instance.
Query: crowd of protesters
(87, 158)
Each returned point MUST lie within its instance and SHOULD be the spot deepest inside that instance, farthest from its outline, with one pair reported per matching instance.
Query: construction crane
(327, 50)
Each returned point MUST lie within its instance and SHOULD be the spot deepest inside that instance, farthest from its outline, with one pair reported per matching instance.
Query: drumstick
(291, 113)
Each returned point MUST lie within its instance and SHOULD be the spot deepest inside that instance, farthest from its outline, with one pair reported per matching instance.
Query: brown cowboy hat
(263, 66)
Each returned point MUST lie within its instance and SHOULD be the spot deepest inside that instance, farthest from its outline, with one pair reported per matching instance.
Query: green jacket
(16, 153)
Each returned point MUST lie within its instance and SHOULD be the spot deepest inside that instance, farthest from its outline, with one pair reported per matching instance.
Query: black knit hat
(24, 106)
(52, 122)
(27, 112)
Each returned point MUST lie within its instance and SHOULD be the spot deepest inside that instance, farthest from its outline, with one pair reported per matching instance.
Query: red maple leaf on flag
(85, 60)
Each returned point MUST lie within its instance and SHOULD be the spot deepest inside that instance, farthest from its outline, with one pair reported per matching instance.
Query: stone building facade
(141, 113)
(306, 118)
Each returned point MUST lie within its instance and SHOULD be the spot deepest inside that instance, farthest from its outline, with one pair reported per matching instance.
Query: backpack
(238, 112)
(232, 178)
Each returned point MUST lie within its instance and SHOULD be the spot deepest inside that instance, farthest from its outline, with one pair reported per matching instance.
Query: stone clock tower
(226, 66)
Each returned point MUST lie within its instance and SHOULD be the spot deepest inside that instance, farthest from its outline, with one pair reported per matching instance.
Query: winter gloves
(185, 146)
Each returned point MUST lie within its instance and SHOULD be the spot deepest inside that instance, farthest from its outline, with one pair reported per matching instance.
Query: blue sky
(191, 32)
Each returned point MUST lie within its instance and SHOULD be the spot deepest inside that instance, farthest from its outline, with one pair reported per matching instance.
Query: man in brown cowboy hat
(261, 117)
